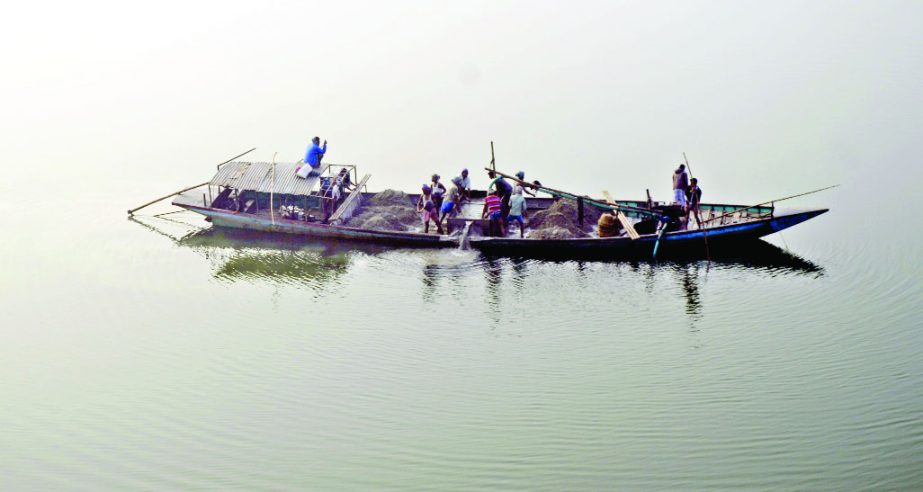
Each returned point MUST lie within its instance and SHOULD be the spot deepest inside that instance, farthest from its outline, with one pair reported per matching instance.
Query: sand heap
(389, 210)
(559, 221)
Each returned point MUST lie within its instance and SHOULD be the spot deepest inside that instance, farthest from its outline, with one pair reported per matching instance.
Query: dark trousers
(505, 205)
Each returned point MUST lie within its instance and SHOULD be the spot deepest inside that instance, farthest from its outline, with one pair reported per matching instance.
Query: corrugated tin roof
(259, 176)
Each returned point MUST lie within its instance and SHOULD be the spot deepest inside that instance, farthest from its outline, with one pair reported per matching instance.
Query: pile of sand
(559, 221)
(390, 197)
(552, 232)
(390, 210)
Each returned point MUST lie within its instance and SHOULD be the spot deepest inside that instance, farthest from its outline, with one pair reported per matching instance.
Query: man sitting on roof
(314, 155)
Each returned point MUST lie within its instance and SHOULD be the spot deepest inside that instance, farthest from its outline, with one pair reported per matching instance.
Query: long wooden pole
(493, 160)
(767, 202)
(272, 189)
(572, 196)
(698, 215)
(235, 157)
(132, 211)
(687, 165)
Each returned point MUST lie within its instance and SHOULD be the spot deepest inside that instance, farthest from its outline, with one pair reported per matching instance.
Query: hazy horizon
(159, 353)
(584, 96)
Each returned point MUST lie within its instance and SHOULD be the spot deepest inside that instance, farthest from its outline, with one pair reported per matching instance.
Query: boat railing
(352, 169)
(348, 207)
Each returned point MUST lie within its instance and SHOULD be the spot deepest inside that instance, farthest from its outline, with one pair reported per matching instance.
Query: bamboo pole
(132, 211)
(770, 201)
(272, 189)
(235, 157)
(687, 165)
(493, 160)
(697, 215)
(571, 196)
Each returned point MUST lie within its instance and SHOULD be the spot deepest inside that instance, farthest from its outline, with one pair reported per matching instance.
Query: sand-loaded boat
(647, 229)
(271, 197)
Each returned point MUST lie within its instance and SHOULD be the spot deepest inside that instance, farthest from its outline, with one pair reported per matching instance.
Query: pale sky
(765, 97)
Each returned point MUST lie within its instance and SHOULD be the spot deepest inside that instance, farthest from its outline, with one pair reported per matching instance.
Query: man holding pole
(694, 197)
(680, 184)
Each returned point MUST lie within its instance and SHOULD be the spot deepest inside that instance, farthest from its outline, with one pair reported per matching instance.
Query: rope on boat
(170, 213)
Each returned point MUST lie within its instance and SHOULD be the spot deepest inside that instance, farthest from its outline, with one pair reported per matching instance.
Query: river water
(160, 354)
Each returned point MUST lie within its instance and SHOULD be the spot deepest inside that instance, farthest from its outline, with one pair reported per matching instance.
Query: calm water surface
(156, 354)
(160, 354)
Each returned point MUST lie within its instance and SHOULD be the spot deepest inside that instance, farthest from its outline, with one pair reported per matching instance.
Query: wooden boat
(652, 229)
(735, 232)
(247, 195)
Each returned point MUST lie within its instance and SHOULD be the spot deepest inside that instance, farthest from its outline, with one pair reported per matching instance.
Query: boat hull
(679, 244)
(238, 220)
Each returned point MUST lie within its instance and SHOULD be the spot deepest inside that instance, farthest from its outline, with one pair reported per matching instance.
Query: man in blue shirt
(314, 155)
(504, 189)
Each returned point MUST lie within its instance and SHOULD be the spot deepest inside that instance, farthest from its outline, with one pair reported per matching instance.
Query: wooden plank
(629, 227)
(345, 211)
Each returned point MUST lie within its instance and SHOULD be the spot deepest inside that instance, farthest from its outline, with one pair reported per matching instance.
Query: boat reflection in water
(652, 278)
(247, 256)
(240, 255)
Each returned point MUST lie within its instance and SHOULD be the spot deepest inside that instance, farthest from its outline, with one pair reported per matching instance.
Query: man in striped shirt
(492, 211)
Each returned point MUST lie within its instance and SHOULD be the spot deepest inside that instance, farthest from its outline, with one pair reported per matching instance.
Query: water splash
(463, 240)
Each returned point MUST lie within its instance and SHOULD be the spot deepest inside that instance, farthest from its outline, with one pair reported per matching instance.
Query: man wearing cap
(521, 176)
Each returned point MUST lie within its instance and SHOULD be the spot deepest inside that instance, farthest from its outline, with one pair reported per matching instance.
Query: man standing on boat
(314, 155)
(680, 185)
(465, 188)
(504, 190)
(694, 197)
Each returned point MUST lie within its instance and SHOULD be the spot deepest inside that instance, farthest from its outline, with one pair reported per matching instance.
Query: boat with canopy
(271, 197)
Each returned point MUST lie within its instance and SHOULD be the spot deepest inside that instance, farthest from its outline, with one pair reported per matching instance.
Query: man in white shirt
(465, 188)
